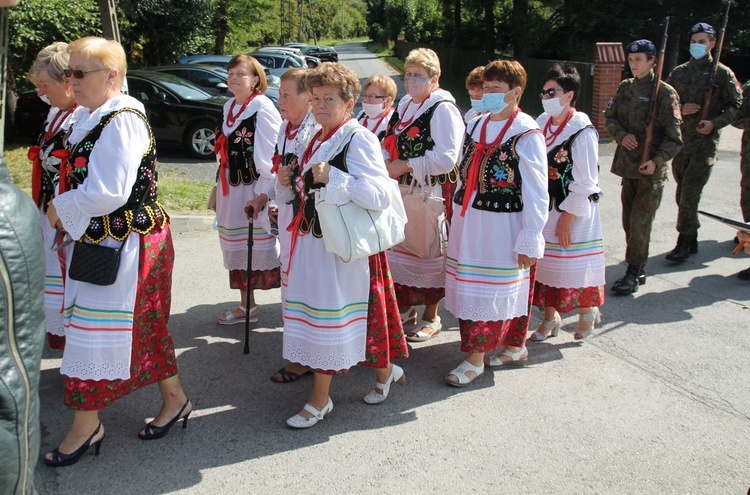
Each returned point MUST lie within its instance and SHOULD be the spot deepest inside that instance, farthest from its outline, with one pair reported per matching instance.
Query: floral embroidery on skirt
(567, 300)
(259, 279)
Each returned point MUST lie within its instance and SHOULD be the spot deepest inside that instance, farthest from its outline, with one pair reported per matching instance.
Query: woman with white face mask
(378, 96)
(570, 276)
(423, 141)
(499, 212)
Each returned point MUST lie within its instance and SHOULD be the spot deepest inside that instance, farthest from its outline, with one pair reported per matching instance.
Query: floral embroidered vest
(560, 168)
(241, 147)
(415, 140)
(311, 222)
(121, 222)
(499, 186)
(50, 165)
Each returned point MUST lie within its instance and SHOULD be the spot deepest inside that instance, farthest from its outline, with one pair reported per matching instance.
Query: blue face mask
(494, 102)
(478, 106)
(697, 50)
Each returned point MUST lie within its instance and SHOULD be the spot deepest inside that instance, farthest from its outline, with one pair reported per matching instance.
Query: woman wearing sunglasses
(47, 75)
(423, 142)
(570, 276)
(117, 339)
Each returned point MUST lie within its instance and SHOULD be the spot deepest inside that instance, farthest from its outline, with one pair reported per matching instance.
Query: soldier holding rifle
(644, 111)
(710, 96)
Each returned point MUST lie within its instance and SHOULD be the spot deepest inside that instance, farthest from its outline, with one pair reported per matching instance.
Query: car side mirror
(162, 97)
(222, 86)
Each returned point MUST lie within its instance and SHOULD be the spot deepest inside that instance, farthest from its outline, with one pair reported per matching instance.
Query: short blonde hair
(254, 66)
(474, 79)
(425, 58)
(51, 60)
(337, 75)
(299, 76)
(383, 82)
(108, 53)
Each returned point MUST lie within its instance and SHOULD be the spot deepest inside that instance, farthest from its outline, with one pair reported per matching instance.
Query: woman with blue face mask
(474, 88)
(499, 212)
(571, 274)
(422, 142)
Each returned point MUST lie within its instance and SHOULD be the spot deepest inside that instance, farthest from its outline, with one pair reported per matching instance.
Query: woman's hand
(284, 176)
(320, 172)
(54, 220)
(565, 229)
(397, 168)
(258, 203)
(525, 262)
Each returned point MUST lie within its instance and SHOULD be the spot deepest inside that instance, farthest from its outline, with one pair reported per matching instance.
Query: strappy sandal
(594, 318)
(409, 317)
(420, 336)
(519, 359)
(231, 319)
(289, 376)
(548, 328)
(460, 374)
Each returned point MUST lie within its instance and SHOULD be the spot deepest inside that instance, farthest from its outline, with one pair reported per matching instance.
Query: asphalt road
(655, 402)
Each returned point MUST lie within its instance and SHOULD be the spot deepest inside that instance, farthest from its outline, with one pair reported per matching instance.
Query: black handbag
(97, 264)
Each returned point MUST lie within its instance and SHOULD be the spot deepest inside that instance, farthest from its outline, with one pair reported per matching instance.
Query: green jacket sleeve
(613, 124)
(669, 119)
(742, 119)
(730, 98)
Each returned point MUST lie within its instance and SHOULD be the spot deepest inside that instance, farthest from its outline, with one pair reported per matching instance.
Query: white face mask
(372, 110)
(553, 106)
(45, 99)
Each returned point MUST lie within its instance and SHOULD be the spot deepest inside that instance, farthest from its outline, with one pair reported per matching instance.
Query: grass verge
(178, 195)
(386, 54)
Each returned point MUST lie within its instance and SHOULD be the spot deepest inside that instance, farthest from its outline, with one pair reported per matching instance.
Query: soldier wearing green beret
(692, 167)
(642, 182)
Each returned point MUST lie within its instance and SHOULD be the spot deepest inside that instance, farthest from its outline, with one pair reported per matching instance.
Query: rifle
(653, 108)
(715, 68)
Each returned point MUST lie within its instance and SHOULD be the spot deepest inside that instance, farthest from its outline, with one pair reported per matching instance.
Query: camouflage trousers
(640, 200)
(745, 180)
(691, 172)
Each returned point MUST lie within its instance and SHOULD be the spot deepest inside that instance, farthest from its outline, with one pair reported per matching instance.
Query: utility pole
(3, 65)
(108, 13)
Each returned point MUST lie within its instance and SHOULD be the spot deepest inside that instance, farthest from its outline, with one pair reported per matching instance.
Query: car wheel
(200, 139)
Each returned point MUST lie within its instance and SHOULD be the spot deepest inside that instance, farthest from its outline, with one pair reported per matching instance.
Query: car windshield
(185, 89)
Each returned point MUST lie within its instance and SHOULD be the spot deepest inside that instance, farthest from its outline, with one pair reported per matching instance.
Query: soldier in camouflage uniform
(742, 121)
(642, 182)
(692, 166)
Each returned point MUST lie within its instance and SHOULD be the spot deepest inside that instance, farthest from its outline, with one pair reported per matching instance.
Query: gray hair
(51, 60)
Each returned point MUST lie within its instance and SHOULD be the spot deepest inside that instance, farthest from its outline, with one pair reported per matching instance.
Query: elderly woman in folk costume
(244, 149)
(496, 235)
(116, 335)
(336, 314)
(378, 96)
(47, 75)
(570, 276)
(423, 142)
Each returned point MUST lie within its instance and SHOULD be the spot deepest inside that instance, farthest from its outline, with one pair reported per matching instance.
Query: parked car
(222, 61)
(296, 45)
(277, 62)
(29, 116)
(308, 60)
(214, 79)
(324, 53)
(180, 112)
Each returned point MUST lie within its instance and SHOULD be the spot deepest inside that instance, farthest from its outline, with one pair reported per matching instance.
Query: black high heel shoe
(59, 459)
(152, 432)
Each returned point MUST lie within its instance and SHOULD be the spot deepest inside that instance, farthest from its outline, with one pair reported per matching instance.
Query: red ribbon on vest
(390, 144)
(480, 152)
(64, 156)
(36, 172)
(276, 160)
(221, 148)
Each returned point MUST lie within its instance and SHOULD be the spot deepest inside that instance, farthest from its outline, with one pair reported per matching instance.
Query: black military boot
(634, 276)
(686, 245)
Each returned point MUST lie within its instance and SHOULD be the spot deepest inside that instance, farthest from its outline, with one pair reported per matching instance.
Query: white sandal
(230, 319)
(550, 329)
(409, 317)
(300, 422)
(520, 359)
(594, 317)
(460, 373)
(396, 376)
(420, 336)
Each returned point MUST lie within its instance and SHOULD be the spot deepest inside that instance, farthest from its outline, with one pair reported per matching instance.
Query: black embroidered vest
(415, 140)
(499, 179)
(560, 168)
(311, 223)
(50, 165)
(120, 222)
(240, 149)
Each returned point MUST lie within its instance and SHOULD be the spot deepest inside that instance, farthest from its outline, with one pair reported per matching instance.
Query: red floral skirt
(486, 336)
(567, 300)
(153, 358)
(259, 279)
(408, 296)
(55, 341)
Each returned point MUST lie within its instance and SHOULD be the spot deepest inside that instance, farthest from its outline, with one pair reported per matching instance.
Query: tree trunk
(489, 26)
(520, 13)
(222, 27)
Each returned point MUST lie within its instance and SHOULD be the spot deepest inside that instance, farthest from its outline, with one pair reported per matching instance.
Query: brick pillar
(608, 61)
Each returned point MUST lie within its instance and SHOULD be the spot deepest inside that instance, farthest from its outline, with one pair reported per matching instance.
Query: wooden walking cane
(249, 210)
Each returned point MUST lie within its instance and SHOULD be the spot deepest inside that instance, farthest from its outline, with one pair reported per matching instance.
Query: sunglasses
(79, 74)
(549, 93)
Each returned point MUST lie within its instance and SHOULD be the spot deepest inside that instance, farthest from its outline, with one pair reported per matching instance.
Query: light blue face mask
(478, 106)
(494, 102)
(697, 50)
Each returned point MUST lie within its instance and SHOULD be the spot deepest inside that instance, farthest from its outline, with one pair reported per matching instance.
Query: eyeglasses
(373, 97)
(78, 74)
(417, 79)
(549, 93)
